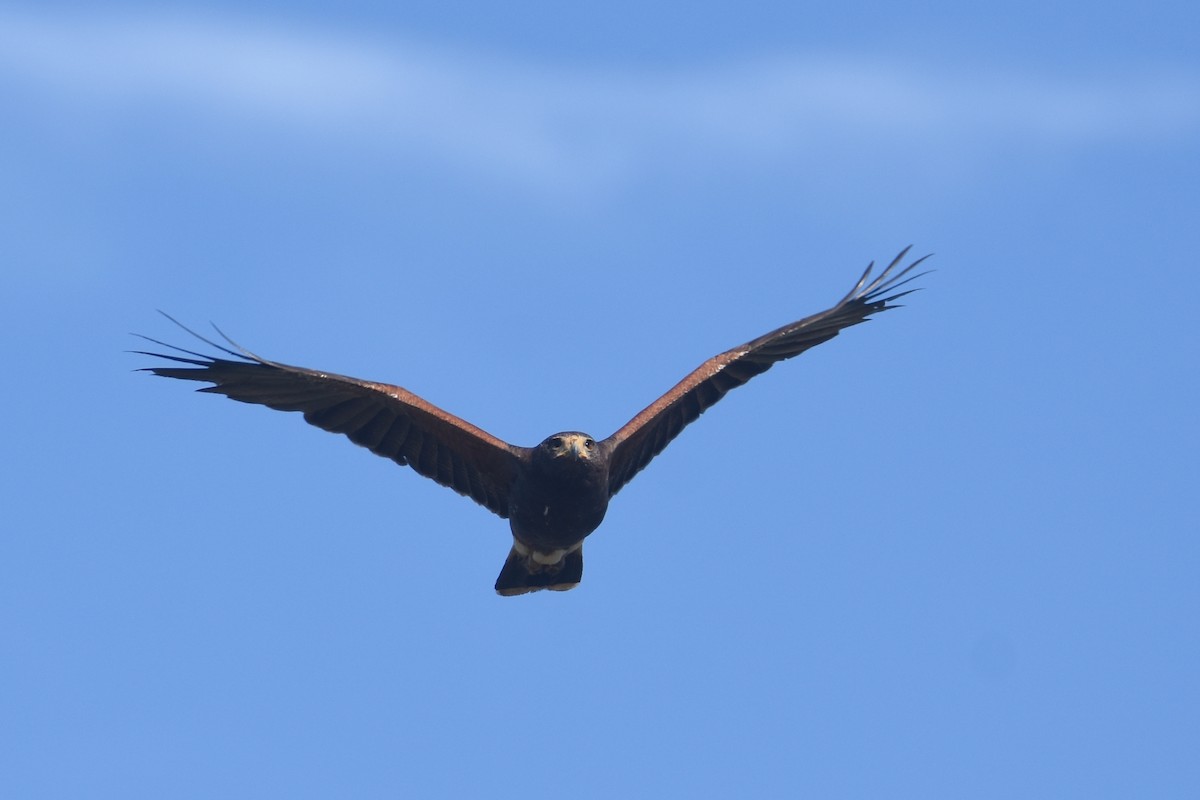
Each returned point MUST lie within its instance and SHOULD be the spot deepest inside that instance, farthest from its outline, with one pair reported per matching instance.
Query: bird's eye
(589, 444)
(556, 442)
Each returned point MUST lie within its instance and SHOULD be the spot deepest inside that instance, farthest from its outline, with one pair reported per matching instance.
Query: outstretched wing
(387, 420)
(643, 437)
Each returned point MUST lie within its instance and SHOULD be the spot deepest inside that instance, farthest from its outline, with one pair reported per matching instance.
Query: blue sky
(952, 553)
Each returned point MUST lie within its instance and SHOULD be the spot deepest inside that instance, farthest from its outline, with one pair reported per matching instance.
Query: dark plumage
(554, 494)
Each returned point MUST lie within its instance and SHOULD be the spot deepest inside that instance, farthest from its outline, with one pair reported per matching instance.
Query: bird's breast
(549, 514)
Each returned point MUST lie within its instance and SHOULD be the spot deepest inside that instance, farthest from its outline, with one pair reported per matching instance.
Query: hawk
(553, 494)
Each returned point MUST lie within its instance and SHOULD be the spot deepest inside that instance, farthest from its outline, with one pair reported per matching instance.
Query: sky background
(952, 553)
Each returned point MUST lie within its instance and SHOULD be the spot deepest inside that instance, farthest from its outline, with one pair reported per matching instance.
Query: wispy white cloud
(550, 123)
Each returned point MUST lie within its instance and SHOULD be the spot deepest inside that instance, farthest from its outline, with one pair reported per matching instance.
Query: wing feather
(387, 420)
(646, 435)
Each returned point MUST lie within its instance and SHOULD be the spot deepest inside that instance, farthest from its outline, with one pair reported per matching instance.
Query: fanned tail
(524, 571)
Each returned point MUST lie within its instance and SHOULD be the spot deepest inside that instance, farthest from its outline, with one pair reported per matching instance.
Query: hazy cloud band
(544, 122)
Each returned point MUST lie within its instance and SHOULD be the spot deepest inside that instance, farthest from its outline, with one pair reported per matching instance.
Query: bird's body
(560, 495)
(554, 494)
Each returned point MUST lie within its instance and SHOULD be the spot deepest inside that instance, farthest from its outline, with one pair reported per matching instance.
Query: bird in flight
(553, 494)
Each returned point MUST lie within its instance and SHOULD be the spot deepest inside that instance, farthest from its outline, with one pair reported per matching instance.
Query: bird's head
(570, 446)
